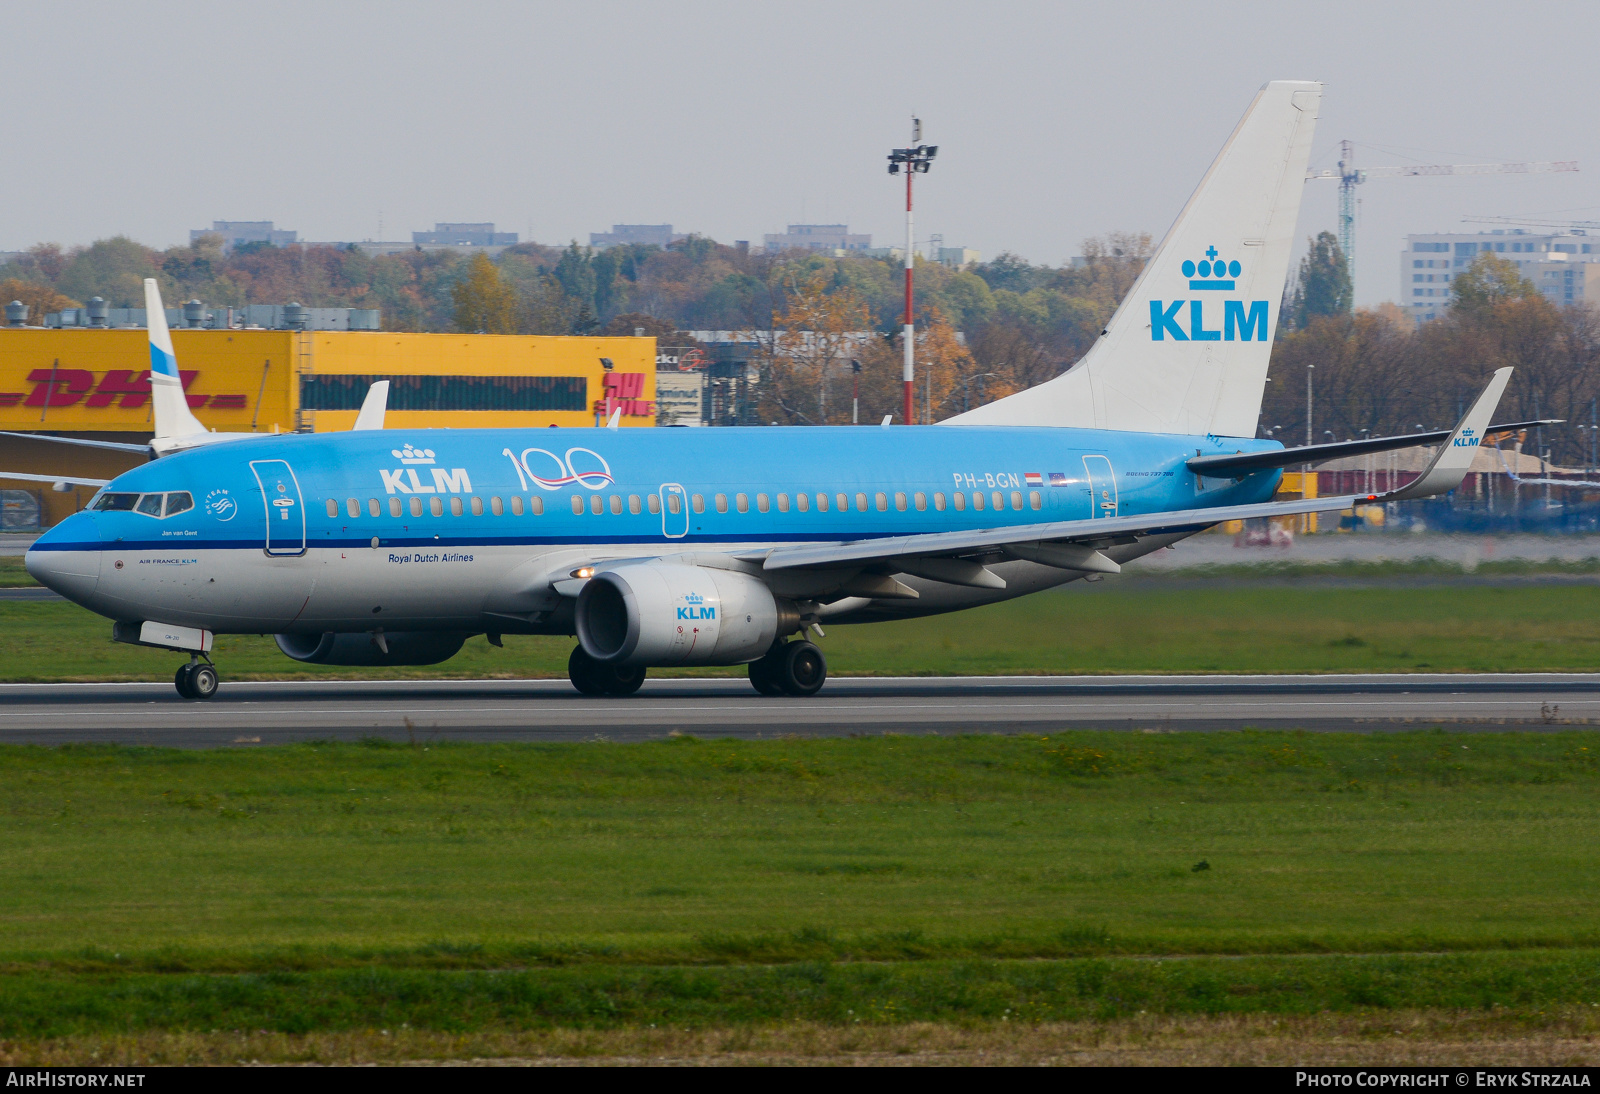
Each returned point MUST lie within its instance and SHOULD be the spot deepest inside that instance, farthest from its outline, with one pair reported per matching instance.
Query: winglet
(373, 406)
(172, 415)
(616, 417)
(1454, 459)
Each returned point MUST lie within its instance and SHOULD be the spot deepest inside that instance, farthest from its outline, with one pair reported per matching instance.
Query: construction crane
(1349, 178)
(1525, 222)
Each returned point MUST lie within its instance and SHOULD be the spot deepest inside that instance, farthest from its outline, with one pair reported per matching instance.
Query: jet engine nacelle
(673, 614)
(405, 647)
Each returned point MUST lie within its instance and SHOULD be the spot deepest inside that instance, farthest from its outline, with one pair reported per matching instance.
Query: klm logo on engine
(1468, 439)
(1211, 274)
(697, 608)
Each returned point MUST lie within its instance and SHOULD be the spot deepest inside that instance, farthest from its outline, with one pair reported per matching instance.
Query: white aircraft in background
(176, 427)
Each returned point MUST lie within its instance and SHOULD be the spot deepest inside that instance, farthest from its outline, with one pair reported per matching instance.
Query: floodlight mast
(913, 161)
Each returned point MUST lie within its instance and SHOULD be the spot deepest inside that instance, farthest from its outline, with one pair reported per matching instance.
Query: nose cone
(67, 558)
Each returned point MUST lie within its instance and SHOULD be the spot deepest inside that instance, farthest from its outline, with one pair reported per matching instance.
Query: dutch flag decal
(1034, 478)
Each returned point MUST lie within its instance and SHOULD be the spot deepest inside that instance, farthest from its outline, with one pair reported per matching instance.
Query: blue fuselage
(305, 530)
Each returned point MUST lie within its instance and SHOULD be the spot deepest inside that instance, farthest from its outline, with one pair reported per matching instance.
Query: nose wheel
(196, 680)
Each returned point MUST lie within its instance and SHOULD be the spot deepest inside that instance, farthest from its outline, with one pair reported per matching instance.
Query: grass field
(956, 882)
(1131, 626)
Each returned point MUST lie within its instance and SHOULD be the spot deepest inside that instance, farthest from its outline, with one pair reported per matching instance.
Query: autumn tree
(813, 340)
(484, 303)
(1323, 285)
(40, 298)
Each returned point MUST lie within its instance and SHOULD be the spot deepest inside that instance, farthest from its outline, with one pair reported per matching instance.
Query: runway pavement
(549, 710)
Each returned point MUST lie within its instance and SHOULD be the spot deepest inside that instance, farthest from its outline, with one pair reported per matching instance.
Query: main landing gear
(196, 680)
(593, 677)
(790, 668)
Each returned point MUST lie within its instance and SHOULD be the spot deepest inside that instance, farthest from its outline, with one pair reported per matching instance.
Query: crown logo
(694, 598)
(413, 455)
(1211, 272)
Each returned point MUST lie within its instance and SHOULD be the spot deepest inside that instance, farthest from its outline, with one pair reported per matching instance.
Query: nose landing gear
(196, 680)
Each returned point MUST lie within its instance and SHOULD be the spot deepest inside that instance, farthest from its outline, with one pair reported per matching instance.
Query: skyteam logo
(696, 608)
(1468, 439)
(1213, 273)
(221, 505)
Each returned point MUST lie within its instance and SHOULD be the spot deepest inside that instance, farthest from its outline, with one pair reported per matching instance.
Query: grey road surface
(549, 710)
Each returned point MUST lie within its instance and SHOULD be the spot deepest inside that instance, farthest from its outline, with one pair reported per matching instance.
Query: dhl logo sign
(623, 390)
(58, 388)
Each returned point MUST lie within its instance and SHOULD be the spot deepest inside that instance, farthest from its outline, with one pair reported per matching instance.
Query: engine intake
(673, 614)
(405, 647)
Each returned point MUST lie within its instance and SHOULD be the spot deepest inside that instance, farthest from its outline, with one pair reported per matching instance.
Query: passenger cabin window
(999, 500)
(960, 499)
(783, 503)
(455, 507)
(535, 506)
(577, 506)
(938, 501)
(436, 506)
(516, 506)
(333, 507)
(352, 506)
(763, 504)
(977, 499)
(861, 502)
(394, 507)
(674, 503)
(698, 503)
(654, 501)
(722, 503)
(477, 506)
(416, 507)
(597, 504)
(882, 502)
(635, 504)
(742, 502)
(616, 505)
(844, 502)
(802, 502)
(372, 507)
(900, 502)
(921, 501)
(1035, 500)
(497, 507)
(1016, 499)
(822, 503)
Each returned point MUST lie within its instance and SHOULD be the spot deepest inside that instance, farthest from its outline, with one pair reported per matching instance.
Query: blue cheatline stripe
(162, 362)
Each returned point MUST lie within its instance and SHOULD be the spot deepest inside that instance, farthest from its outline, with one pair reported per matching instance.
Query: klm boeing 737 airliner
(726, 546)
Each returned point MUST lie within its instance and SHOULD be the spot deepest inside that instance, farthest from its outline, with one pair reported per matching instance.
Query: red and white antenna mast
(914, 160)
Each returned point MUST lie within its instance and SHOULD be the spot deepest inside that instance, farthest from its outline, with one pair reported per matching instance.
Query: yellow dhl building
(95, 383)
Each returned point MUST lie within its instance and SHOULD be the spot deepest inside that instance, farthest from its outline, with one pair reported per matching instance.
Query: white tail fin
(374, 406)
(172, 415)
(1187, 350)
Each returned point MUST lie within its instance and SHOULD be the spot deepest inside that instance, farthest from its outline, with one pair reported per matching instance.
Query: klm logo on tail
(1468, 439)
(1210, 274)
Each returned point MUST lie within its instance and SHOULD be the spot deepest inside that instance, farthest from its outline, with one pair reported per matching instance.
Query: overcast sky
(1055, 121)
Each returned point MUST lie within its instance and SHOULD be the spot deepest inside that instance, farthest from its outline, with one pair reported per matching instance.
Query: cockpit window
(179, 501)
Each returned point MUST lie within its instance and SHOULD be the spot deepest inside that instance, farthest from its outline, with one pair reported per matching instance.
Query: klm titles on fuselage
(1210, 274)
(404, 480)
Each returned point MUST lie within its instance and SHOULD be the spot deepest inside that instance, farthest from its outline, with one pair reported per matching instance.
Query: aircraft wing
(54, 479)
(1073, 544)
(115, 446)
(1029, 539)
